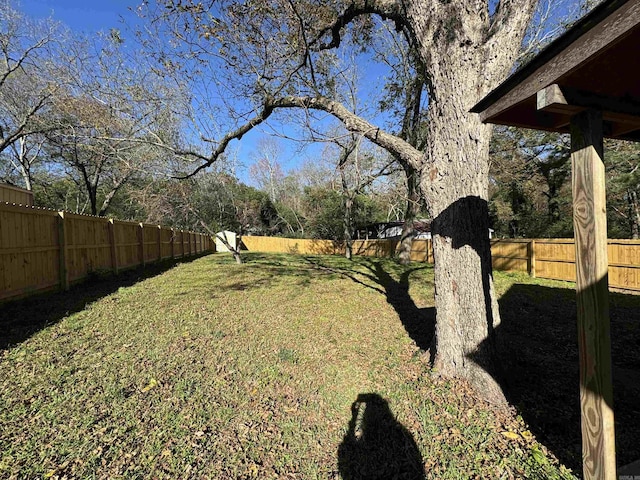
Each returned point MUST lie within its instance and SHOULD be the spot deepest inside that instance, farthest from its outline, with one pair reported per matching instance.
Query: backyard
(292, 366)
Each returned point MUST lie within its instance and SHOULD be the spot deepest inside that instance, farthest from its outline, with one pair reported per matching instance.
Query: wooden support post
(141, 244)
(159, 243)
(173, 243)
(184, 250)
(113, 246)
(531, 257)
(63, 252)
(590, 227)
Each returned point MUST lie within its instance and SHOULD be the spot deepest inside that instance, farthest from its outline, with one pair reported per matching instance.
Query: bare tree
(359, 169)
(266, 170)
(29, 80)
(108, 119)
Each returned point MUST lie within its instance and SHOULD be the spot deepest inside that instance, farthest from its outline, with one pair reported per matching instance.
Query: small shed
(584, 83)
(12, 194)
(225, 236)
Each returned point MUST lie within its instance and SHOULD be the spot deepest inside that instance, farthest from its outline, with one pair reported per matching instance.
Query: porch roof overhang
(594, 65)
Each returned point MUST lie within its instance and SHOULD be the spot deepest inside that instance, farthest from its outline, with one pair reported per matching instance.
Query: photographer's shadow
(377, 446)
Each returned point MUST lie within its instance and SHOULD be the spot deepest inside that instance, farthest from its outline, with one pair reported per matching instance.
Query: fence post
(173, 243)
(62, 245)
(141, 243)
(531, 257)
(113, 246)
(159, 243)
(184, 250)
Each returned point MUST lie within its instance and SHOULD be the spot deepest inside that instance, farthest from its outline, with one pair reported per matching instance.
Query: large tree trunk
(466, 305)
(467, 61)
(25, 172)
(24, 164)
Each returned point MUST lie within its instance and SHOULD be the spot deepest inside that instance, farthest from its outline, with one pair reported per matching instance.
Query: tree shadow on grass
(419, 323)
(537, 345)
(20, 319)
(377, 446)
(267, 269)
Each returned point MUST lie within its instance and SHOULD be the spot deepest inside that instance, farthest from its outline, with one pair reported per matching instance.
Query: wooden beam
(590, 227)
(159, 243)
(141, 246)
(557, 99)
(531, 258)
(552, 99)
(619, 129)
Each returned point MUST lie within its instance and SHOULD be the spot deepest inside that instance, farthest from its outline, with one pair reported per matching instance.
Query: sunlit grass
(218, 370)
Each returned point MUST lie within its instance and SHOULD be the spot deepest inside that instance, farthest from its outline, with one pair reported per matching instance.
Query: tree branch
(352, 122)
(386, 9)
(237, 134)
(510, 19)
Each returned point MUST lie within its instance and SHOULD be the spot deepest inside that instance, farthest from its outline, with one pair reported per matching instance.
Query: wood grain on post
(159, 243)
(590, 227)
(532, 258)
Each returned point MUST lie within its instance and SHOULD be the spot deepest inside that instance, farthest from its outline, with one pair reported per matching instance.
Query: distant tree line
(530, 185)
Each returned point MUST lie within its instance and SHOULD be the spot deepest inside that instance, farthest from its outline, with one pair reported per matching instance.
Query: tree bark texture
(464, 60)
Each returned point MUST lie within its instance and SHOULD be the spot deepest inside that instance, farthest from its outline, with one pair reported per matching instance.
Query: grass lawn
(289, 367)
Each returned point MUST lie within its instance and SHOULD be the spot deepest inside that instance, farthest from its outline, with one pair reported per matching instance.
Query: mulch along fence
(44, 250)
(542, 258)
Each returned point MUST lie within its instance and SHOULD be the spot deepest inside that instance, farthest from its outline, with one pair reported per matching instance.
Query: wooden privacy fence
(556, 259)
(421, 249)
(11, 194)
(542, 258)
(45, 250)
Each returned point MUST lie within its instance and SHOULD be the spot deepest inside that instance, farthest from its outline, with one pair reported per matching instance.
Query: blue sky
(88, 17)
(82, 16)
